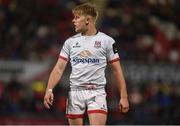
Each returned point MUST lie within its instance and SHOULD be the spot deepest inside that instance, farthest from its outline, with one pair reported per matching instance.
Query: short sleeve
(112, 51)
(65, 51)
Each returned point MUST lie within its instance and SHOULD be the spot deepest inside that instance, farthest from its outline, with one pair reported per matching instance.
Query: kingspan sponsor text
(85, 60)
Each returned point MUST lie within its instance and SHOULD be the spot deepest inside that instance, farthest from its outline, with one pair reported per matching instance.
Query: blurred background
(32, 33)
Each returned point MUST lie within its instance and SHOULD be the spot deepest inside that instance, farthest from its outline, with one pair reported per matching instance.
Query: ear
(88, 19)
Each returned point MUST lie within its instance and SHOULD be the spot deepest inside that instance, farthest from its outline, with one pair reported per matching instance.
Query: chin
(78, 30)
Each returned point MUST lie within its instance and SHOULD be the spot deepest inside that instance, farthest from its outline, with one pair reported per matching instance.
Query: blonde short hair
(86, 9)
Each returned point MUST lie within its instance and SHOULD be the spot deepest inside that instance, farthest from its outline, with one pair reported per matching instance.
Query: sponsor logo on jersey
(85, 60)
(115, 48)
(97, 44)
(103, 107)
(76, 45)
(85, 53)
(85, 57)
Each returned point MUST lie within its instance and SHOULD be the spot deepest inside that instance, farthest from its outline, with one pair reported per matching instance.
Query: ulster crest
(97, 44)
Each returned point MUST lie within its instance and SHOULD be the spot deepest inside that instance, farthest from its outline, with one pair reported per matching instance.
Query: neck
(91, 30)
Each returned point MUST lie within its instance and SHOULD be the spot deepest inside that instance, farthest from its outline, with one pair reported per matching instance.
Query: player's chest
(93, 46)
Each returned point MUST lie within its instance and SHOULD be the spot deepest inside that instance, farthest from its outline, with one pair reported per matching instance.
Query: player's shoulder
(71, 38)
(106, 37)
(75, 36)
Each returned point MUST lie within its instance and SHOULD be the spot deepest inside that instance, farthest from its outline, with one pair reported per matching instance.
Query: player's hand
(48, 99)
(124, 105)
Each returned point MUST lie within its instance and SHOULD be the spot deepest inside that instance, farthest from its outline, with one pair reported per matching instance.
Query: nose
(73, 20)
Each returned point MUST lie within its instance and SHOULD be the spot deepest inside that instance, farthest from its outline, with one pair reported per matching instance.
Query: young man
(88, 51)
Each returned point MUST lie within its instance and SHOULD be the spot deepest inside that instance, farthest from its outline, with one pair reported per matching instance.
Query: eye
(76, 17)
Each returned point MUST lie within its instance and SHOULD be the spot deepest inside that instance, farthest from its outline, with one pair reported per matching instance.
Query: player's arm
(54, 78)
(117, 71)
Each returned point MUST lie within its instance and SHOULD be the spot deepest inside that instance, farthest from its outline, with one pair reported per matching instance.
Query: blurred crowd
(33, 29)
(145, 30)
(21, 102)
(150, 103)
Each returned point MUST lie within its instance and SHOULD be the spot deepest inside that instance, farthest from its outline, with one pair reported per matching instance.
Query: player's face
(79, 22)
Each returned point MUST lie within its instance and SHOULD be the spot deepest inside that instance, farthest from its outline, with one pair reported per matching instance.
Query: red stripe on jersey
(97, 111)
(64, 58)
(73, 116)
(114, 60)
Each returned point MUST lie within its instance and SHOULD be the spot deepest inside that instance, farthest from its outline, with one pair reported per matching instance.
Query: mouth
(75, 26)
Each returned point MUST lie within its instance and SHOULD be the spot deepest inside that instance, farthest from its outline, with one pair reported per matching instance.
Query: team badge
(97, 44)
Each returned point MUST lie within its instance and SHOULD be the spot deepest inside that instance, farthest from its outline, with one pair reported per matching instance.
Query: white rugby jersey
(88, 56)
